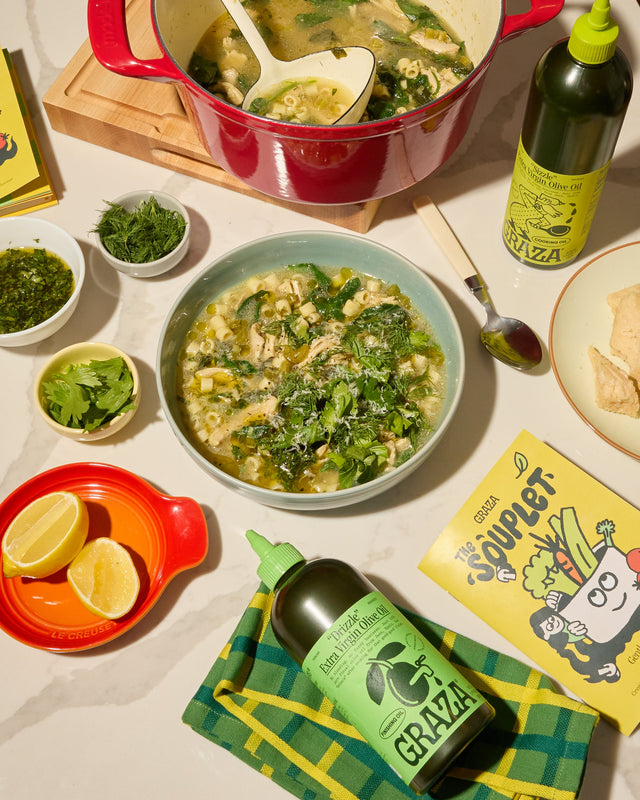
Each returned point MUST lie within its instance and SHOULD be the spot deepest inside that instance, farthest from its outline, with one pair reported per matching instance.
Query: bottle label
(391, 684)
(548, 214)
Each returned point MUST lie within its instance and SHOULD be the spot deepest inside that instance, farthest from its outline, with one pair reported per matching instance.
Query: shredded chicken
(320, 345)
(256, 343)
(256, 410)
(423, 39)
(234, 95)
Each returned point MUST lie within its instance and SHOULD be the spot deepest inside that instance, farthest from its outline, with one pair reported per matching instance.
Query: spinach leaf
(329, 305)
(324, 281)
(203, 71)
(423, 15)
(311, 19)
(249, 308)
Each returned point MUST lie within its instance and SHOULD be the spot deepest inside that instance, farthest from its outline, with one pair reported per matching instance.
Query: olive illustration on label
(407, 682)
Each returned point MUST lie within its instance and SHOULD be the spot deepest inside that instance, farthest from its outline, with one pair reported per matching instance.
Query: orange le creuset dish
(164, 535)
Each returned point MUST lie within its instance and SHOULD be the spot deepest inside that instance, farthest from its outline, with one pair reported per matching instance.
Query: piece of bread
(615, 390)
(614, 298)
(625, 331)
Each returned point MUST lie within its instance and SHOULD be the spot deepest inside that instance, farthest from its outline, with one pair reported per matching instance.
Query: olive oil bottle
(412, 706)
(578, 97)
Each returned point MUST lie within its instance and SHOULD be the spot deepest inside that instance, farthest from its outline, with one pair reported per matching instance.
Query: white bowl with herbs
(143, 233)
(41, 274)
(88, 391)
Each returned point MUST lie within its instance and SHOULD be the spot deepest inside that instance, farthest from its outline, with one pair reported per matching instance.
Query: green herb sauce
(34, 285)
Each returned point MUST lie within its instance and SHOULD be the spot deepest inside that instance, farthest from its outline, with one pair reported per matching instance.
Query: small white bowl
(149, 269)
(28, 231)
(82, 353)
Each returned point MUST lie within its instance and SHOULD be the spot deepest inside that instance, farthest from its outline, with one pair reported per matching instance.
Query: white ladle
(351, 67)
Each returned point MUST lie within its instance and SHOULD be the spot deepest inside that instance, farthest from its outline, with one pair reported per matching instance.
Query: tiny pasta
(316, 101)
(313, 390)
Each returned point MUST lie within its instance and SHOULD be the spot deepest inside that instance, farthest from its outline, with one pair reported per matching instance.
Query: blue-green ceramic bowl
(325, 249)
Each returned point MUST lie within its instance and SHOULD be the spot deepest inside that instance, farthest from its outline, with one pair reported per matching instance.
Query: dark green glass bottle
(577, 101)
(412, 706)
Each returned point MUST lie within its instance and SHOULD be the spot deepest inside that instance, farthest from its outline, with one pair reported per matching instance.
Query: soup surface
(310, 380)
(417, 56)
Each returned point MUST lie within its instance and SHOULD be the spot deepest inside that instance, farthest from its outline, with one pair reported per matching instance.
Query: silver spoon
(351, 67)
(507, 339)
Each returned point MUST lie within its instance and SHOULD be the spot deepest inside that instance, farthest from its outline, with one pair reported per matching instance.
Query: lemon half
(45, 536)
(104, 577)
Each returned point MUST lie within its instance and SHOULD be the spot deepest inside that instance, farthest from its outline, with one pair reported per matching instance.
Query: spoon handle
(439, 228)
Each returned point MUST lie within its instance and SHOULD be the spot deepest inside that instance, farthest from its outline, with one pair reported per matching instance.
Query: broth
(310, 380)
(417, 57)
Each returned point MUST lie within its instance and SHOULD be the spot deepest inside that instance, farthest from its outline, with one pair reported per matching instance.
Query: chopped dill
(145, 234)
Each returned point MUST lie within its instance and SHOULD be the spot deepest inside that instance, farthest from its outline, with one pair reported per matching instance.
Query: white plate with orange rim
(582, 317)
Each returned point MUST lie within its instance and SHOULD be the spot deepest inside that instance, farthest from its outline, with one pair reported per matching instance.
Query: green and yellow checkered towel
(258, 704)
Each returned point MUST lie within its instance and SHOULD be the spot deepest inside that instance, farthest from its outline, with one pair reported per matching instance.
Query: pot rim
(368, 129)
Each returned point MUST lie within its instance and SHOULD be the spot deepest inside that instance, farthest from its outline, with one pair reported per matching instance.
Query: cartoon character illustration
(408, 683)
(8, 147)
(592, 602)
(537, 214)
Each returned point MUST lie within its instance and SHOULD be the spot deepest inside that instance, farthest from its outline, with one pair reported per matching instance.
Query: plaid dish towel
(257, 703)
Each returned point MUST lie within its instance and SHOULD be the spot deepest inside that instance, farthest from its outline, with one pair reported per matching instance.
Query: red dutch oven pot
(312, 163)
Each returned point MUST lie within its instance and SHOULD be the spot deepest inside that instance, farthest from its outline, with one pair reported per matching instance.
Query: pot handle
(106, 20)
(541, 11)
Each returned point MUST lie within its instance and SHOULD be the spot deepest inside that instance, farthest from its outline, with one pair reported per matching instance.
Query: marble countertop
(107, 722)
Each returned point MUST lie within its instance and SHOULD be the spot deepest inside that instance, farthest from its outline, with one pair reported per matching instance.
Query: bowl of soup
(310, 370)
(425, 93)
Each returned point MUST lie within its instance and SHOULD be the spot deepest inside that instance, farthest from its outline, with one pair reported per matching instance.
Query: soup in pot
(310, 380)
(418, 58)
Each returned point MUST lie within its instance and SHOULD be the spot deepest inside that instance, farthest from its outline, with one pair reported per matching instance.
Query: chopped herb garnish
(146, 233)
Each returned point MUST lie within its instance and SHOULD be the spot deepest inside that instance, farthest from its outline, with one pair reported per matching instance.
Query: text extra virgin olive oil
(577, 100)
(409, 703)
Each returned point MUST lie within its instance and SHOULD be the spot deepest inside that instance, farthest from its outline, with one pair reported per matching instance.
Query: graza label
(391, 684)
(548, 214)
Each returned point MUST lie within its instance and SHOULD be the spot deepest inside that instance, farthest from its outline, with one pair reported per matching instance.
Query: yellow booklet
(24, 179)
(550, 558)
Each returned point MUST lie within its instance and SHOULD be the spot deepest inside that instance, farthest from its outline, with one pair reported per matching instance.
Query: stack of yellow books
(24, 180)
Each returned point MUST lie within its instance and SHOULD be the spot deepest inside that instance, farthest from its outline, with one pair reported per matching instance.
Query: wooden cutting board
(147, 120)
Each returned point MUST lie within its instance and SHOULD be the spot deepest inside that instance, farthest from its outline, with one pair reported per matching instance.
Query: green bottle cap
(275, 560)
(594, 35)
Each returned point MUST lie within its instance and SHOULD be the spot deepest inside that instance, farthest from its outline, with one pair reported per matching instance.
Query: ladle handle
(249, 30)
(439, 228)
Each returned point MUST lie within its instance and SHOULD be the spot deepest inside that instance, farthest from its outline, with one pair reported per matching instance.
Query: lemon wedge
(104, 577)
(45, 536)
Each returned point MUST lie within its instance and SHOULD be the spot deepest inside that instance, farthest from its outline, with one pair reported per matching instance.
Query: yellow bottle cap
(594, 35)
